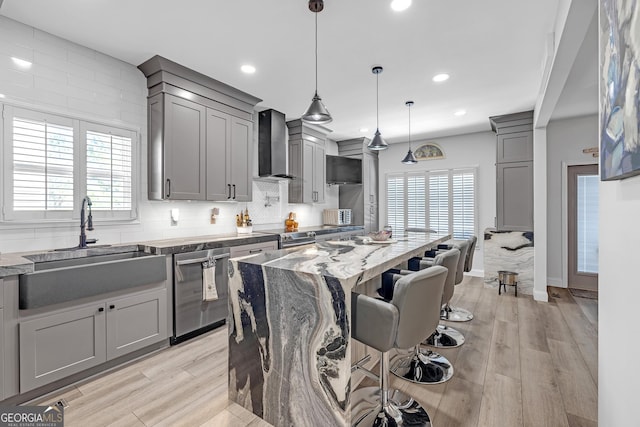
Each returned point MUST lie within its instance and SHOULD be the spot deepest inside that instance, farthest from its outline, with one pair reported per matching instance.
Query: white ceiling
(493, 49)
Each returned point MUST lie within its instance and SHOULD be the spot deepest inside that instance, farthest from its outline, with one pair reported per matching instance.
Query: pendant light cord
(377, 104)
(409, 127)
(316, 52)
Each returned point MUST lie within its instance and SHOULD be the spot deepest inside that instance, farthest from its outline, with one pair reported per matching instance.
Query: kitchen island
(290, 326)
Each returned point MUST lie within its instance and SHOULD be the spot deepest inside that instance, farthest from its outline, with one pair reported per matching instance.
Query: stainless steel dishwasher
(192, 314)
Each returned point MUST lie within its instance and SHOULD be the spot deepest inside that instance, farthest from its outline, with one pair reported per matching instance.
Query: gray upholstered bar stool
(386, 325)
(444, 336)
(466, 248)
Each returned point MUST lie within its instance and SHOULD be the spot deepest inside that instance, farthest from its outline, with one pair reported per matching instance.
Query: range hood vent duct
(272, 145)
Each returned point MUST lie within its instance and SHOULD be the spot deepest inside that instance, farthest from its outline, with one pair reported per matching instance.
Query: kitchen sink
(58, 281)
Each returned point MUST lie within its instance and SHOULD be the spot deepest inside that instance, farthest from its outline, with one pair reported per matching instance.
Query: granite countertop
(347, 260)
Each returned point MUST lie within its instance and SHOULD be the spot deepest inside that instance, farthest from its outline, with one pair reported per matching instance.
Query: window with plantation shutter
(51, 162)
(109, 171)
(395, 202)
(443, 201)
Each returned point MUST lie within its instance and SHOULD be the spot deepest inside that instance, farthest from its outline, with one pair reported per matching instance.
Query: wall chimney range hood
(272, 145)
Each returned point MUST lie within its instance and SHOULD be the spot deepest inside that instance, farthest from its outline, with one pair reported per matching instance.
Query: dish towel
(209, 290)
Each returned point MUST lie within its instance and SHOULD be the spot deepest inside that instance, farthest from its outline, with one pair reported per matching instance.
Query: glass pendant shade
(377, 143)
(409, 159)
(316, 113)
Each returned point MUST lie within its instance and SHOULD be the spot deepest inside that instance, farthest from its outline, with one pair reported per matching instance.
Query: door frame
(565, 214)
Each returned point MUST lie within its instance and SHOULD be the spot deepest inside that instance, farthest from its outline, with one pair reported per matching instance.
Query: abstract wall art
(620, 89)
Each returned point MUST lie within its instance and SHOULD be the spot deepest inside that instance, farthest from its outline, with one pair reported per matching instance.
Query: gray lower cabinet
(177, 144)
(229, 157)
(252, 249)
(54, 346)
(514, 196)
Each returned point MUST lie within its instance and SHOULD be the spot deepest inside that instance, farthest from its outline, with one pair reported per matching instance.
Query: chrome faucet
(88, 223)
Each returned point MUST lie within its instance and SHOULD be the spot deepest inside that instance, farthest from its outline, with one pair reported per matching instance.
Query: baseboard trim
(475, 273)
(556, 282)
(540, 295)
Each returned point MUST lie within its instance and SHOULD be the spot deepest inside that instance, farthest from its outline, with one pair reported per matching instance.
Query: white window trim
(8, 218)
(450, 172)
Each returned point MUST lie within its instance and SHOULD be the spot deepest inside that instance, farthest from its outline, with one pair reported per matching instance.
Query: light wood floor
(524, 364)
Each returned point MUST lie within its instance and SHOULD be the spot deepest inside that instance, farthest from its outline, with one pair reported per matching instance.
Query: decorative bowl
(380, 236)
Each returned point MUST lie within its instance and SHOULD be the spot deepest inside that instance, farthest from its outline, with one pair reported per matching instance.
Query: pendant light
(377, 143)
(317, 113)
(409, 159)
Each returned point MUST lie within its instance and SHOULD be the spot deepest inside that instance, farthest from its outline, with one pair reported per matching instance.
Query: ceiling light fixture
(248, 69)
(377, 143)
(400, 5)
(2, 95)
(460, 113)
(409, 159)
(440, 77)
(21, 62)
(364, 130)
(317, 113)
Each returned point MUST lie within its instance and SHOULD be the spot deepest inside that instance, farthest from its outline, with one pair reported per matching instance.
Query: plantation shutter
(439, 202)
(463, 189)
(395, 202)
(416, 202)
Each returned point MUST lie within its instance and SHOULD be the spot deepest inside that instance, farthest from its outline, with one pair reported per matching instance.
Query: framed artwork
(619, 89)
(429, 151)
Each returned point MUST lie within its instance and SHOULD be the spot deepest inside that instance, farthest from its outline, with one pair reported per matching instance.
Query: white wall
(71, 79)
(468, 150)
(618, 372)
(565, 141)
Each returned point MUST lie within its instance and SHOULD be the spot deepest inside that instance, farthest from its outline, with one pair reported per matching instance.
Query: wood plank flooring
(524, 363)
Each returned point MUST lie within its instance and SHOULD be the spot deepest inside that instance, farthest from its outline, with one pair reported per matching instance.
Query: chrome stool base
(445, 337)
(401, 410)
(455, 314)
(423, 367)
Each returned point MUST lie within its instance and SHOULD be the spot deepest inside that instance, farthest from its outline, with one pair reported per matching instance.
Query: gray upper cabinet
(200, 135)
(514, 171)
(176, 148)
(307, 162)
(229, 157)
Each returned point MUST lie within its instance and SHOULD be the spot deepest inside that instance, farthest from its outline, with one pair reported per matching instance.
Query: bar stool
(385, 325)
(444, 336)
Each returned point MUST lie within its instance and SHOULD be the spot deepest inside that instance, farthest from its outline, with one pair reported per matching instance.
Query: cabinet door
(515, 196)
(244, 250)
(370, 163)
(240, 152)
(371, 218)
(295, 169)
(319, 173)
(184, 149)
(218, 135)
(1, 348)
(58, 345)
(135, 322)
(308, 149)
(515, 147)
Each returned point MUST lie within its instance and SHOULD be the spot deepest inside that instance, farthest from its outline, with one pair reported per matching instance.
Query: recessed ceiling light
(460, 113)
(248, 69)
(400, 5)
(364, 130)
(440, 77)
(2, 95)
(21, 62)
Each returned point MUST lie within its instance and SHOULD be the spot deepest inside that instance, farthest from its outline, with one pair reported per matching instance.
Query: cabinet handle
(100, 310)
(168, 187)
(255, 251)
(234, 191)
(111, 307)
(229, 188)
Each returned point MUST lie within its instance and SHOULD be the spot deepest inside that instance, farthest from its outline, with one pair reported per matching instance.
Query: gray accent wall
(565, 141)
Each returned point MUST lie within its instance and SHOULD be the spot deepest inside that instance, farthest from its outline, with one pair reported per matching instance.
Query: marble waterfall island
(510, 251)
(290, 326)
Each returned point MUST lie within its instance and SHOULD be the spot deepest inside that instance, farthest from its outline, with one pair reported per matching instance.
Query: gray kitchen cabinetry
(252, 249)
(2, 344)
(307, 162)
(67, 341)
(200, 135)
(514, 171)
(176, 157)
(361, 199)
(229, 157)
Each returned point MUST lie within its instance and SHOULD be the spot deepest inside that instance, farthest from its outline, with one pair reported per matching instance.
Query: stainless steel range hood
(272, 145)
